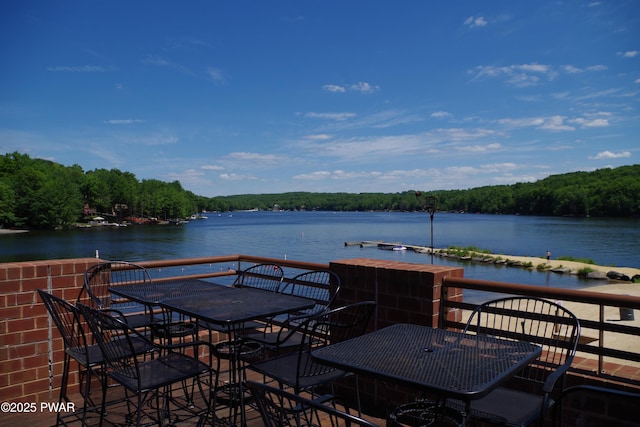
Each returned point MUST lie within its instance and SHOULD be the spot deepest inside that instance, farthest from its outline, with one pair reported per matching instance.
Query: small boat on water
(392, 247)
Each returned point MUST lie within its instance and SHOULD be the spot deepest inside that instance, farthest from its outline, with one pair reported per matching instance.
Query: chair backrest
(279, 408)
(336, 325)
(67, 319)
(587, 405)
(536, 320)
(267, 277)
(116, 340)
(322, 286)
(100, 277)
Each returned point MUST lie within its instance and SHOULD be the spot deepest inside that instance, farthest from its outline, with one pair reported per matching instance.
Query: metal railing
(597, 330)
(597, 346)
(220, 266)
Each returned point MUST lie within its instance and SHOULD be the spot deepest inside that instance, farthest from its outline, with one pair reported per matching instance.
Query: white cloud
(441, 115)
(521, 75)
(235, 177)
(553, 123)
(334, 88)
(217, 76)
(79, 69)
(161, 62)
(212, 167)
(629, 54)
(319, 137)
(256, 157)
(331, 116)
(556, 124)
(475, 21)
(590, 123)
(570, 69)
(480, 148)
(606, 155)
(362, 87)
(123, 121)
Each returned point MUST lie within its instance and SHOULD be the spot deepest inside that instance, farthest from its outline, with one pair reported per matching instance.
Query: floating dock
(388, 245)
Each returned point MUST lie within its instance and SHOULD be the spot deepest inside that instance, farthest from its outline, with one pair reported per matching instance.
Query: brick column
(405, 293)
(29, 341)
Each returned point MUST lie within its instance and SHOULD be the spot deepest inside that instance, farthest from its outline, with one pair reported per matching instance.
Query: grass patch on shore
(584, 272)
(582, 260)
(466, 251)
(543, 267)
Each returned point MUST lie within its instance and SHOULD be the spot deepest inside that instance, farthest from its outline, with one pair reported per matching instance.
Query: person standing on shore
(548, 255)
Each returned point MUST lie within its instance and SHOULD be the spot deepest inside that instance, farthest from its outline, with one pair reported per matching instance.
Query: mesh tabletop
(451, 363)
(236, 305)
(155, 292)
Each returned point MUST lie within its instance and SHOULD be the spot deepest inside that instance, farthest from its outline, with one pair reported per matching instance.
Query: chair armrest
(551, 380)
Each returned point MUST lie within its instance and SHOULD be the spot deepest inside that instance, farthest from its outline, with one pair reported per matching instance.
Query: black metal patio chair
(100, 277)
(69, 322)
(297, 369)
(322, 286)
(539, 321)
(280, 408)
(151, 376)
(88, 356)
(267, 277)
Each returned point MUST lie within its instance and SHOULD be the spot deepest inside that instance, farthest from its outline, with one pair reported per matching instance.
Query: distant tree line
(602, 193)
(36, 193)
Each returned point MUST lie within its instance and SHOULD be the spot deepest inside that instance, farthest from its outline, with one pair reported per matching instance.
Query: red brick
(23, 350)
(30, 285)
(10, 286)
(10, 313)
(31, 363)
(19, 325)
(35, 335)
(34, 387)
(22, 376)
(11, 392)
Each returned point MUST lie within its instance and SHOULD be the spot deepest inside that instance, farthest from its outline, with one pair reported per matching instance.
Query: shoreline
(11, 231)
(540, 264)
(573, 266)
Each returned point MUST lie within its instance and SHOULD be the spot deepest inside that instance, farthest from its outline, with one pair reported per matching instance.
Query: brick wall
(405, 293)
(25, 327)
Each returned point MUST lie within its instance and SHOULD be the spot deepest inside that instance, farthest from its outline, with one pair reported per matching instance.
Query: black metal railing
(596, 331)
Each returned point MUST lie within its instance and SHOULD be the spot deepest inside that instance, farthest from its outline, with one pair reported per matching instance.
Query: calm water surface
(320, 237)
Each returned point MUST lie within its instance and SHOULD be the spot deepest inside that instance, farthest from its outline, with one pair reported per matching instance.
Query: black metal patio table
(447, 363)
(152, 294)
(231, 309)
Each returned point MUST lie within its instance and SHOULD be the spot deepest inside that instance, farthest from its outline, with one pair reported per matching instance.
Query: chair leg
(63, 386)
(103, 405)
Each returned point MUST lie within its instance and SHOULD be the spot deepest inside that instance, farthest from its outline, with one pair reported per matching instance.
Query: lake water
(320, 237)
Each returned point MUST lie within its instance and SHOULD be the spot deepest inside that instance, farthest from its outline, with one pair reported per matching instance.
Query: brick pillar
(28, 339)
(405, 293)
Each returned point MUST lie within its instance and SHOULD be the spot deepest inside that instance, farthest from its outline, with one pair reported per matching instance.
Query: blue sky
(235, 97)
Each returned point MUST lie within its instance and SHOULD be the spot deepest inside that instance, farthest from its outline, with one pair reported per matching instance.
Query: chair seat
(141, 320)
(92, 355)
(504, 406)
(162, 371)
(271, 340)
(282, 369)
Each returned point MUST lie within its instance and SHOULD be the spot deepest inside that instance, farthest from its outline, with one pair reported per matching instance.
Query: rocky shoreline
(595, 272)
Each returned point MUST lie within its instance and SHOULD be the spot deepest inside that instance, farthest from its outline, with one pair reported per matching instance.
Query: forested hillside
(36, 193)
